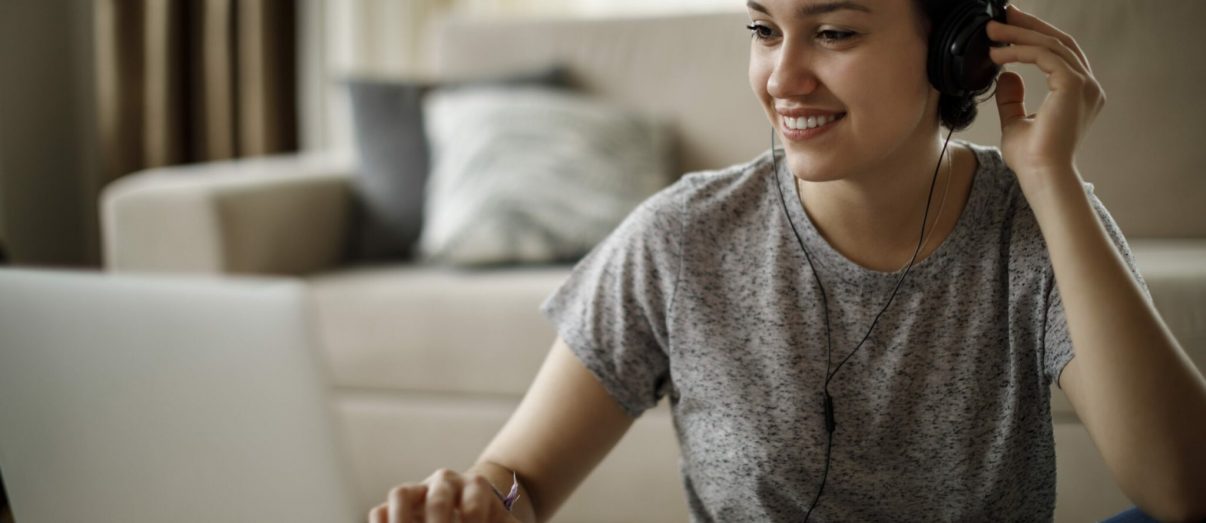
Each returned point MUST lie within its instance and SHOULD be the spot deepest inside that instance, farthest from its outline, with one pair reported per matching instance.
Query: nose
(793, 74)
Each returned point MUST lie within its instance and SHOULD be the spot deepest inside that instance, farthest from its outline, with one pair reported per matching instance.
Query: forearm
(500, 477)
(1141, 398)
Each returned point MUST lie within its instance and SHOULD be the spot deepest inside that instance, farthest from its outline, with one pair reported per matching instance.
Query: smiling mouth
(811, 122)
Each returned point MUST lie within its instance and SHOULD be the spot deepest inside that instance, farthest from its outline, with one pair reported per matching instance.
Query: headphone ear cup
(957, 62)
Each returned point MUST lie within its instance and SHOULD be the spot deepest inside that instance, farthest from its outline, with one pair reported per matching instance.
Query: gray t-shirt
(943, 414)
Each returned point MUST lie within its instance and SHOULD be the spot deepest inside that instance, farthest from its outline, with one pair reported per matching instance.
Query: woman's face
(866, 60)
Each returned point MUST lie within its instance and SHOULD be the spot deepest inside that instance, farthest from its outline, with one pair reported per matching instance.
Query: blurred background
(94, 90)
(296, 139)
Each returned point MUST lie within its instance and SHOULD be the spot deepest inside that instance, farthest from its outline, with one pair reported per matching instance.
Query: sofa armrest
(284, 215)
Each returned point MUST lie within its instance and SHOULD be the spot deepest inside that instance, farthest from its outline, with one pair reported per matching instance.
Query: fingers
(1017, 35)
(379, 514)
(442, 495)
(1011, 103)
(1053, 51)
(478, 502)
(405, 503)
(1060, 75)
(1020, 18)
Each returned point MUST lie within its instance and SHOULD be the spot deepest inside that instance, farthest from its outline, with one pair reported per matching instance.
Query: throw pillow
(533, 175)
(388, 127)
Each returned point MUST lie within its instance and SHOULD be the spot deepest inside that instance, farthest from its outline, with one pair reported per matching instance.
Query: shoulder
(702, 191)
(1001, 222)
(1002, 205)
(719, 181)
(997, 181)
(1006, 209)
(730, 191)
(698, 200)
(1000, 182)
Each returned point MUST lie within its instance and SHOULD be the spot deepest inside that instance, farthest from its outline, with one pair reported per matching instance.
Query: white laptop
(150, 398)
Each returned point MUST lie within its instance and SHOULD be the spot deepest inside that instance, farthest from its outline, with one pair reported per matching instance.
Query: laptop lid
(147, 398)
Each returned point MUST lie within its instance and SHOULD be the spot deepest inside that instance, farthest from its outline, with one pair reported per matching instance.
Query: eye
(835, 36)
(760, 31)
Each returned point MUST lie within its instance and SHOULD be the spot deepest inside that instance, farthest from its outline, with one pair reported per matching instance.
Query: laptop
(151, 398)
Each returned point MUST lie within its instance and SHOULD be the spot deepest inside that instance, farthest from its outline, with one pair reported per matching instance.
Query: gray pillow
(533, 175)
(388, 197)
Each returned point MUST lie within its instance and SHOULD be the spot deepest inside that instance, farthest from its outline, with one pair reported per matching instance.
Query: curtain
(182, 81)
(342, 39)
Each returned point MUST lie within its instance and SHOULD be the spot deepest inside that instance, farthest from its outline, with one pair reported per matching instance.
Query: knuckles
(473, 509)
(400, 490)
(376, 513)
(1094, 93)
(479, 481)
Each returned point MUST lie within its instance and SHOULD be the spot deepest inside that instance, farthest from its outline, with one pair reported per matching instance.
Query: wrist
(512, 494)
(503, 481)
(1052, 187)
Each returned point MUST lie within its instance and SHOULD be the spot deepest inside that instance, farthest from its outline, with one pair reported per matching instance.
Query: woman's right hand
(444, 497)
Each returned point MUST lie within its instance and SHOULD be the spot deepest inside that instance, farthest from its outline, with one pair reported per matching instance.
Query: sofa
(428, 361)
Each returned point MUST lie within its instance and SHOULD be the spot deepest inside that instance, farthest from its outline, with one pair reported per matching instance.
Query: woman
(785, 307)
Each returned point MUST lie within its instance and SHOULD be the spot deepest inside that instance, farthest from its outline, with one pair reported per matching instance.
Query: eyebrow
(816, 8)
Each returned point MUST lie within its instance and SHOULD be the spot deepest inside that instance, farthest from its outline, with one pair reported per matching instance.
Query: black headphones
(957, 62)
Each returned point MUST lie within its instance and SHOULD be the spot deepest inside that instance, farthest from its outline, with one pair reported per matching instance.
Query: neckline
(824, 254)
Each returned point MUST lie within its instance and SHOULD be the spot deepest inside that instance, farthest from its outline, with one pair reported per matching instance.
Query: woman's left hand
(1044, 143)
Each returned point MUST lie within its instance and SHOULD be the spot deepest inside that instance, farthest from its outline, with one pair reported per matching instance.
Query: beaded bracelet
(511, 496)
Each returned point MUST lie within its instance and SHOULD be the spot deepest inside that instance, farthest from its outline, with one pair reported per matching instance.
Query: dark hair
(955, 112)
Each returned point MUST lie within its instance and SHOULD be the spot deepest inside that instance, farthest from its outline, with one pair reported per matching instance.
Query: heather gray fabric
(704, 294)
(394, 159)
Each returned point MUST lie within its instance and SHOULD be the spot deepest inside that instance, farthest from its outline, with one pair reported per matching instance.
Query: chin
(811, 169)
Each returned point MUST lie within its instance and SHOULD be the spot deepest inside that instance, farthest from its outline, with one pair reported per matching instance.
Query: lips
(811, 122)
(802, 135)
(802, 112)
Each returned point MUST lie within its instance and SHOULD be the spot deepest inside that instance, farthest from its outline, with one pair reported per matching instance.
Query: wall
(383, 38)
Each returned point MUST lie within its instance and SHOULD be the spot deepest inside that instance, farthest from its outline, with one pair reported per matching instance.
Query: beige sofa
(428, 362)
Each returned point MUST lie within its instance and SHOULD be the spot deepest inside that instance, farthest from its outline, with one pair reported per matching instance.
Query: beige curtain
(181, 81)
(345, 38)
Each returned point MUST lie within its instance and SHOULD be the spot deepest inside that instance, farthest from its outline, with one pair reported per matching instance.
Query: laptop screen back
(139, 398)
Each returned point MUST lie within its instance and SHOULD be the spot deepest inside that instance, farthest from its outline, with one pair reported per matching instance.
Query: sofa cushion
(435, 329)
(388, 122)
(533, 175)
(438, 329)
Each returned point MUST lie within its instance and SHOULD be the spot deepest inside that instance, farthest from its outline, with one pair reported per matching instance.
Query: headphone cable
(827, 400)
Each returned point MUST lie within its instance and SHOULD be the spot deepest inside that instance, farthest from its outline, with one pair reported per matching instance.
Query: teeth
(809, 122)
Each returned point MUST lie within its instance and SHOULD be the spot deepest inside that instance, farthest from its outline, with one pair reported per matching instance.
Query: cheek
(759, 73)
(911, 85)
(884, 90)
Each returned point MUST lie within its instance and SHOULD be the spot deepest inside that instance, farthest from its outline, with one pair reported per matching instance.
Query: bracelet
(512, 495)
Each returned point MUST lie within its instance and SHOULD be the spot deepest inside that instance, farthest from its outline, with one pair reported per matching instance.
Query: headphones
(957, 64)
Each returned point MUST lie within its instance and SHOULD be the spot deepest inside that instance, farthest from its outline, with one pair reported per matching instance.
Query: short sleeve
(612, 310)
(1057, 344)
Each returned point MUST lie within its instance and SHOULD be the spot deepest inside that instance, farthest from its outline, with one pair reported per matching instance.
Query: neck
(875, 218)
